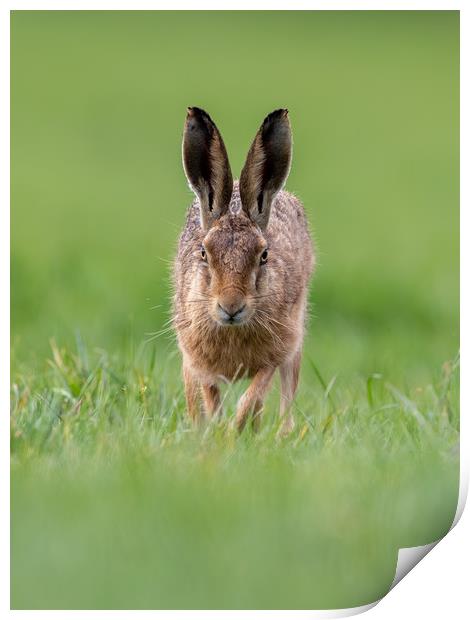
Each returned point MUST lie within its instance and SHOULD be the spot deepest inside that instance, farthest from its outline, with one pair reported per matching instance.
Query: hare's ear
(206, 165)
(267, 167)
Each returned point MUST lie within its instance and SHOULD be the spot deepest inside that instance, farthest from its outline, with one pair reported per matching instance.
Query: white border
(5, 310)
(444, 576)
(241, 5)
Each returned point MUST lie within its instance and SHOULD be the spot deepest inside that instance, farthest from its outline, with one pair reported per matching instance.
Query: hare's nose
(232, 310)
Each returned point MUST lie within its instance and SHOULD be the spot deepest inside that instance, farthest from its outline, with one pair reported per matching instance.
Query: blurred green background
(116, 501)
(99, 196)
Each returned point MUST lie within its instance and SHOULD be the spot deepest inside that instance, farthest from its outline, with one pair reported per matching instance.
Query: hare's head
(233, 255)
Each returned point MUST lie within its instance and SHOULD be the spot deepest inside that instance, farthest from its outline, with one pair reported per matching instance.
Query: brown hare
(242, 270)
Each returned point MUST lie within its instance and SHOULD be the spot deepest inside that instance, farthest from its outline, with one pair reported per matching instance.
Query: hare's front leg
(257, 411)
(211, 396)
(191, 390)
(289, 372)
(252, 400)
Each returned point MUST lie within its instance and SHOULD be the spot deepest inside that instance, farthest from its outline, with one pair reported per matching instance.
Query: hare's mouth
(231, 322)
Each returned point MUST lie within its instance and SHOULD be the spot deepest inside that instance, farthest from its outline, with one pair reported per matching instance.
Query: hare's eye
(264, 258)
(203, 253)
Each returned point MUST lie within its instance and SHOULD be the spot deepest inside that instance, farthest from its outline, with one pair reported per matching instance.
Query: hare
(242, 270)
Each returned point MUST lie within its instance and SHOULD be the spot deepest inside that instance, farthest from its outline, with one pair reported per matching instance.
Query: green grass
(116, 501)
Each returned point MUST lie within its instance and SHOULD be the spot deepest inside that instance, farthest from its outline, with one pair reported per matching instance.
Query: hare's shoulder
(288, 216)
(288, 205)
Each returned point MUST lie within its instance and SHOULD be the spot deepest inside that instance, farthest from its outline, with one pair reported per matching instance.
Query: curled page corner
(463, 493)
(408, 557)
(344, 613)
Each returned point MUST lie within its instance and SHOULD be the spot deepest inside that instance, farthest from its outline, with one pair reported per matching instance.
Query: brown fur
(273, 295)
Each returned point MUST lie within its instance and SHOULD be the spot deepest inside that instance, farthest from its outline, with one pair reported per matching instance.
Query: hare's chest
(230, 353)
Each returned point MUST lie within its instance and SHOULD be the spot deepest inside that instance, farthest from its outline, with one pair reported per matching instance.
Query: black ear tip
(275, 124)
(196, 112)
(197, 117)
(277, 115)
